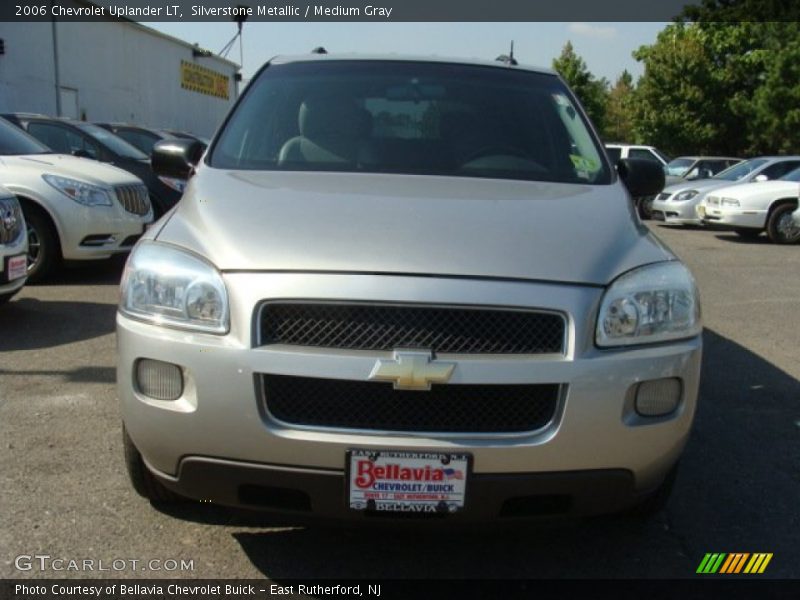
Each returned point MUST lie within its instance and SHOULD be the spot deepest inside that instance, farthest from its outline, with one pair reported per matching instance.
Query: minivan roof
(313, 57)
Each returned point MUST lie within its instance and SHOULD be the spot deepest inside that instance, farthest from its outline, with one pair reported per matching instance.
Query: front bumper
(17, 248)
(96, 232)
(677, 213)
(217, 441)
(740, 218)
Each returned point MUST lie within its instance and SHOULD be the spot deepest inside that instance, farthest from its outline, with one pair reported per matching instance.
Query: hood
(770, 189)
(701, 185)
(404, 224)
(64, 165)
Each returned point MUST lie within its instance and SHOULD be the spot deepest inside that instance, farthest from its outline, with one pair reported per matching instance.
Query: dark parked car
(67, 136)
(144, 138)
(188, 136)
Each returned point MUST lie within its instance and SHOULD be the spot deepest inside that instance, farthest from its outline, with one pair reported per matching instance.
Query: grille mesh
(344, 404)
(134, 198)
(377, 327)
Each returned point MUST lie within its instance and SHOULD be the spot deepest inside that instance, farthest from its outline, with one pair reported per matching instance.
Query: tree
(619, 110)
(719, 88)
(590, 91)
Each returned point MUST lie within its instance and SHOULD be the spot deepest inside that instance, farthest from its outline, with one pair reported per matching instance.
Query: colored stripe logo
(734, 563)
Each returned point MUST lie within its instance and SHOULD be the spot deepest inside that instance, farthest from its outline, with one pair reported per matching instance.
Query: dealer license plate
(701, 211)
(399, 481)
(16, 267)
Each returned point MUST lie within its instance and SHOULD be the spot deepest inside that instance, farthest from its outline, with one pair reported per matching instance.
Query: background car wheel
(748, 233)
(656, 501)
(781, 228)
(44, 253)
(142, 480)
(644, 205)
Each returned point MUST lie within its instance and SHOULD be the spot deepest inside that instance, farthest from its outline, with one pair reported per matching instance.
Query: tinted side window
(644, 154)
(143, 141)
(780, 169)
(62, 139)
(614, 154)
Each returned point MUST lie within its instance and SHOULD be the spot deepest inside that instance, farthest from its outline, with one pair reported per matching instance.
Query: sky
(606, 47)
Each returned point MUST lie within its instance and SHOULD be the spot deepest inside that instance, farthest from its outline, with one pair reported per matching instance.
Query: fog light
(658, 397)
(159, 380)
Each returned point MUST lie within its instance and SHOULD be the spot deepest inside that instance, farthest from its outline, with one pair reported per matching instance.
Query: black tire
(780, 225)
(644, 205)
(142, 480)
(44, 250)
(657, 501)
(748, 234)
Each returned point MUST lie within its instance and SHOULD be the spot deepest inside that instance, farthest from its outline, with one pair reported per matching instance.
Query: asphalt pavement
(65, 493)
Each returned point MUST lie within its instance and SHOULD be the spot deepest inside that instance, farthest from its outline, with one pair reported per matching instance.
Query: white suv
(75, 208)
(13, 246)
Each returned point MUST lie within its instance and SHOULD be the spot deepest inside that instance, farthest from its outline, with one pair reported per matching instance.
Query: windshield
(792, 176)
(413, 118)
(741, 170)
(679, 166)
(112, 142)
(14, 141)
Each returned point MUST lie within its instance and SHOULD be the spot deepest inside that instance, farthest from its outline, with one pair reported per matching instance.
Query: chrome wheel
(34, 247)
(787, 229)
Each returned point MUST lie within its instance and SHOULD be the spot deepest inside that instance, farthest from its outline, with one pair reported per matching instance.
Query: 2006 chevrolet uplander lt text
(406, 285)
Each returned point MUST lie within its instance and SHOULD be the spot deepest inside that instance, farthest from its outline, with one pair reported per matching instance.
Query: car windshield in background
(413, 118)
(741, 170)
(14, 141)
(679, 166)
(113, 142)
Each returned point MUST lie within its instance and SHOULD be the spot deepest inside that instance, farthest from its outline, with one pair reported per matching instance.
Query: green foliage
(591, 92)
(720, 88)
(619, 110)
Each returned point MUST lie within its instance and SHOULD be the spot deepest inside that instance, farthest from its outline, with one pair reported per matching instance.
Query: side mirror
(641, 177)
(176, 158)
(761, 178)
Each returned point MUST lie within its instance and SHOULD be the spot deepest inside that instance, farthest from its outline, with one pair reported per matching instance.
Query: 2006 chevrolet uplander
(406, 285)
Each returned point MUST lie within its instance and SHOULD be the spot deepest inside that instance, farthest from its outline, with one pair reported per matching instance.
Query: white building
(114, 71)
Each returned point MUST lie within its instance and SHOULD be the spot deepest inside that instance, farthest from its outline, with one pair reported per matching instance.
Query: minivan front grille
(369, 405)
(134, 198)
(386, 327)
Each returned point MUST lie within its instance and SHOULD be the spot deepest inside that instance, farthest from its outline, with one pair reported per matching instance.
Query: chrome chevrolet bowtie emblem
(412, 370)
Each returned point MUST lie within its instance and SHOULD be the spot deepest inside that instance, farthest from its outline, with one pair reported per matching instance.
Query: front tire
(644, 205)
(44, 253)
(142, 480)
(781, 228)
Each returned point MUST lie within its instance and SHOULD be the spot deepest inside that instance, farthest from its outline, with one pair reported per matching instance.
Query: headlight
(171, 287)
(729, 202)
(10, 220)
(655, 303)
(685, 195)
(174, 184)
(80, 191)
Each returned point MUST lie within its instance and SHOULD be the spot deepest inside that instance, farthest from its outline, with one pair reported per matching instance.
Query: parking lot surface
(65, 493)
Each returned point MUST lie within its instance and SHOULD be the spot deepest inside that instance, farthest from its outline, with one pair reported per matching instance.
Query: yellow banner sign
(203, 80)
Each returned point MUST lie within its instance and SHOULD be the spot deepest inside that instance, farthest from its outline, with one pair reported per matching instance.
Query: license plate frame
(441, 488)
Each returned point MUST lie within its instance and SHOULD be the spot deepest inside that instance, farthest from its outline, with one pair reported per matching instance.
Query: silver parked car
(678, 204)
(376, 298)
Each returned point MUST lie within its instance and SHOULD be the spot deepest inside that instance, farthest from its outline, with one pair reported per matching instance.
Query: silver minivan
(401, 286)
